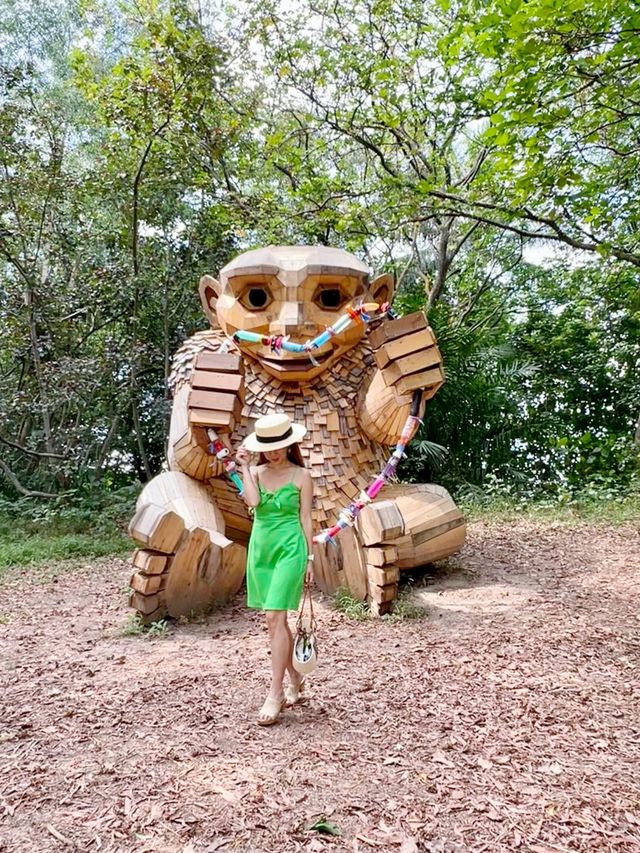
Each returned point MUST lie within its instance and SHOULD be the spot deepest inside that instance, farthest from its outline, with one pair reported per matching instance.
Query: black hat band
(272, 438)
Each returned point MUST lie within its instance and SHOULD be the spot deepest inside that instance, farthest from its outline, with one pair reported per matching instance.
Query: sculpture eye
(329, 298)
(256, 297)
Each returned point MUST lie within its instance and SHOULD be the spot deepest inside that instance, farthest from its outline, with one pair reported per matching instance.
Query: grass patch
(606, 510)
(21, 548)
(33, 533)
(404, 609)
(345, 603)
(135, 627)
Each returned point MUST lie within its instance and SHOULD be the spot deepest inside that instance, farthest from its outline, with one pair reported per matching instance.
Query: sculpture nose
(291, 321)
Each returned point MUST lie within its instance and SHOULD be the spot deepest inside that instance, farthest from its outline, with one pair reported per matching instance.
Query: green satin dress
(277, 554)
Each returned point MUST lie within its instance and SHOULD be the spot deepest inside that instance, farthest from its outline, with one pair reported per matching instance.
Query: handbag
(305, 643)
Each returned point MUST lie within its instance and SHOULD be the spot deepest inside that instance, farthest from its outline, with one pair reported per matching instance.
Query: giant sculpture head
(296, 291)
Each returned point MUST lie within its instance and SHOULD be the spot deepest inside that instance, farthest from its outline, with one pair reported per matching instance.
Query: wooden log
(381, 556)
(382, 576)
(220, 362)
(382, 594)
(155, 526)
(380, 521)
(422, 340)
(149, 562)
(392, 329)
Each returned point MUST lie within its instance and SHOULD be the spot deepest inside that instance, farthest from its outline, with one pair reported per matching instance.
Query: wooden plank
(199, 399)
(416, 361)
(380, 608)
(147, 584)
(429, 379)
(380, 521)
(353, 562)
(381, 556)
(441, 546)
(426, 535)
(422, 340)
(188, 461)
(220, 362)
(381, 576)
(146, 604)
(149, 562)
(155, 616)
(392, 329)
(157, 527)
(212, 418)
(333, 422)
(382, 594)
(212, 381)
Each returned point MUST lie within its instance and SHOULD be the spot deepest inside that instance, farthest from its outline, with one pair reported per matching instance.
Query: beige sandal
(270, 711)
(294, 695)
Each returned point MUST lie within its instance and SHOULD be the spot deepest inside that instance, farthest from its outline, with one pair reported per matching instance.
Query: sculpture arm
(407, 360)
(208, 395)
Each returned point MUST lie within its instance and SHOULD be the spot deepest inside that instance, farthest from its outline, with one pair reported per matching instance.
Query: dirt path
(507, 720)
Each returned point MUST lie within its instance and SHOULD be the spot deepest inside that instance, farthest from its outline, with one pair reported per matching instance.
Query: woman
(280, 558)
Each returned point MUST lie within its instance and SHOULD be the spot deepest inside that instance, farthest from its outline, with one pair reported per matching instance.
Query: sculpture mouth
(296, 360)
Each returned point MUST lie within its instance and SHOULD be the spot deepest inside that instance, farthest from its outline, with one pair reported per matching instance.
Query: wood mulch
(506, 720)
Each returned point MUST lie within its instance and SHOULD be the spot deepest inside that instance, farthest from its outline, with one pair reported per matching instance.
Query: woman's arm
(250, 493)
(306, 501)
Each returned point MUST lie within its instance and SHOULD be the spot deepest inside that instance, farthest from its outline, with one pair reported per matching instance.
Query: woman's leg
(281, 648)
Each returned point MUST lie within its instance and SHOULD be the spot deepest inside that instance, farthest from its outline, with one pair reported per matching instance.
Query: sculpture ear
(381, 288)
(209, 291)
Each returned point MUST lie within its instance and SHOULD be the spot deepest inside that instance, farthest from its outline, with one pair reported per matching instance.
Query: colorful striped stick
(365, 313)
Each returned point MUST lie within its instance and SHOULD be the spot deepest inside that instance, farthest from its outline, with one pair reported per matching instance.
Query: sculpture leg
(413, 525)
(185, 564)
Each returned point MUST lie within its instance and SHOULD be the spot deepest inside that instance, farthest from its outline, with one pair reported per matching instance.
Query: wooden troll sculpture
(353, 392)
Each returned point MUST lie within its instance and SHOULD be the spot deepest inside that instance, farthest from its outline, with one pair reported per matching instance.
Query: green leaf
(325, 826)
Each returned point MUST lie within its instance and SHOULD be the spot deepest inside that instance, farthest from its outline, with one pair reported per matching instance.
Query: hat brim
(253, 443)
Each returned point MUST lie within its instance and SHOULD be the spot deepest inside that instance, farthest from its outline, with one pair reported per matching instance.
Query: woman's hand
(243, 457)
(308, 578)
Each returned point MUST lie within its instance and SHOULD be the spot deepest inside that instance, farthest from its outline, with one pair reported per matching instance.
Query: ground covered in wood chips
(507, 719)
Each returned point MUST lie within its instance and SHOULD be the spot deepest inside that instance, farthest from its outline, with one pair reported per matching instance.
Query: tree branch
(17, 485)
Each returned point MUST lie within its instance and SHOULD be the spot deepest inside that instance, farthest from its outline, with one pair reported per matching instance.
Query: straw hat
(272, 432)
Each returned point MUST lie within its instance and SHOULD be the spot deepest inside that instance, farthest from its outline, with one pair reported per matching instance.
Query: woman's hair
(293, 455)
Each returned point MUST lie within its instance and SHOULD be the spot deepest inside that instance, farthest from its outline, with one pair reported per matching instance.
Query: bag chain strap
(306, 596)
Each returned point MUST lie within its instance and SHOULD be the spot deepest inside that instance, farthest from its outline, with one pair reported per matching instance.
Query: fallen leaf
(441, 758)
(325, 826)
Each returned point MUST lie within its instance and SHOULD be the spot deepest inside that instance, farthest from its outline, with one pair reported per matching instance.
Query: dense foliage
(486, 153)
